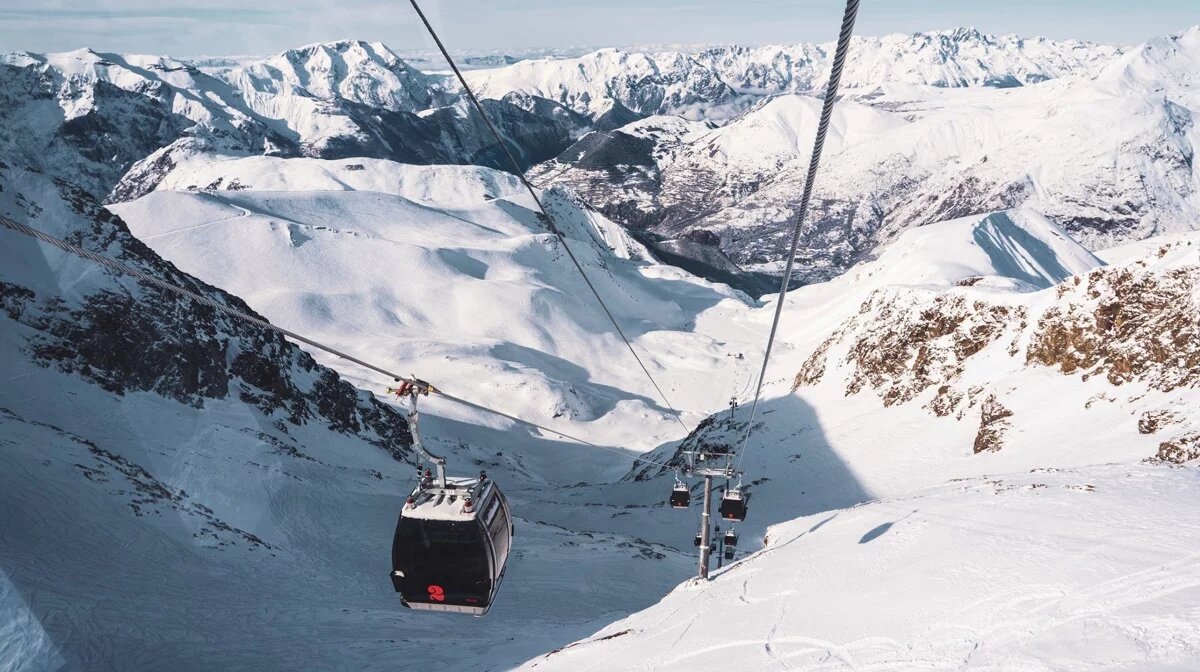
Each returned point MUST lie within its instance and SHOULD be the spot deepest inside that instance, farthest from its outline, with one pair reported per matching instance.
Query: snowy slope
(777, 132)
(1082, 569)
(988, 394)
(180, 490)
(447, 272)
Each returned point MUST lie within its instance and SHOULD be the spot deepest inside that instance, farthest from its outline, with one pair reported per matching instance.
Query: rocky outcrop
(900, 348)
(1151, 422)
(1132, 324)
(1180, 450)
(993, 422)
(125, 336)
(1125, 324)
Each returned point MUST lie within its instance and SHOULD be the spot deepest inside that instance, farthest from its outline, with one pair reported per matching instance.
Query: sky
(236, 27)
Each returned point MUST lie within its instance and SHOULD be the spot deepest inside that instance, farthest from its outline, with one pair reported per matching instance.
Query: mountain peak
(362, 72)
(959, 34)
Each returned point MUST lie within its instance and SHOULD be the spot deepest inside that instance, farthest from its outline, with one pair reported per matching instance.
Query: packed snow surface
(1092, 568)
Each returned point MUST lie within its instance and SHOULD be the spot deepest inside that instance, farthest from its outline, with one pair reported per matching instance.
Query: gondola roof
(449, 504)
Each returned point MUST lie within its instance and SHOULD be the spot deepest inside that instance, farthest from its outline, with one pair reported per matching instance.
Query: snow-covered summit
(674, 82)
(781, 129)
(367, 73)
(664, 82)
(1167, 63)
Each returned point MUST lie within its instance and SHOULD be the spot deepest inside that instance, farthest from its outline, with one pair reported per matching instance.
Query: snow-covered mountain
(118, 122)
(976, 444)
(711, 83)
(960, 57)
(408, 254)
(292, 84)
(917, 155)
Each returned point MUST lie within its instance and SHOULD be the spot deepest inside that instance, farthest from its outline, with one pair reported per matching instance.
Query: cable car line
(549, 220)
(233, 312)
(835, 76)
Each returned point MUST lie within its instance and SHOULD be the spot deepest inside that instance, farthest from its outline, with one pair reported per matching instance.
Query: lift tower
(728, 472)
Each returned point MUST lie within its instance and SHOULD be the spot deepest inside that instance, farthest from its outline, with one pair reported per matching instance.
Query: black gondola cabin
(451, 546)
(733, 505)
(681, 496)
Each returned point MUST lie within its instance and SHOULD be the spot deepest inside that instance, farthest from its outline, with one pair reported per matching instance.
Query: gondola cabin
(681, 496)
(451, 546)
(733, 505)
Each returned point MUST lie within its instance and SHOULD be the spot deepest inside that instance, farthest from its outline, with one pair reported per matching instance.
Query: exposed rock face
(1152, 421)
(901, 348)
(1125, 324)
(1178, 451)
(993, 421)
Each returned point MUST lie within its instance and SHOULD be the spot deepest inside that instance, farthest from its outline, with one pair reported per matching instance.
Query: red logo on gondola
(437, 593)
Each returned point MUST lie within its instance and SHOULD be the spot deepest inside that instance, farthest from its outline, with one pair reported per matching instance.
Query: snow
(674, 82)
(1018, 249)
(783, 128)
(448, 273)
(914, 155)
(1082, 569)
(878, 538)
(442, 506)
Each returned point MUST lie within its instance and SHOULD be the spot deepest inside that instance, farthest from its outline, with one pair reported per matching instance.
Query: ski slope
(1090, 568)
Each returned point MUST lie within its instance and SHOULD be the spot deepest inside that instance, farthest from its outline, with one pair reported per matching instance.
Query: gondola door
(447, 565)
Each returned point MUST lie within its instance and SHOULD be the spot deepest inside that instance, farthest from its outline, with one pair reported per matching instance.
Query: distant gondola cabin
(733, 505)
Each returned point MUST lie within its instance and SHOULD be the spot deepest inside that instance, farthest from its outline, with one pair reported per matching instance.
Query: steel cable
(835, 77)
(516, 165)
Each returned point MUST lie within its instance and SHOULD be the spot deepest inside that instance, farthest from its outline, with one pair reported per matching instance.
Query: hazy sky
(222, 27)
